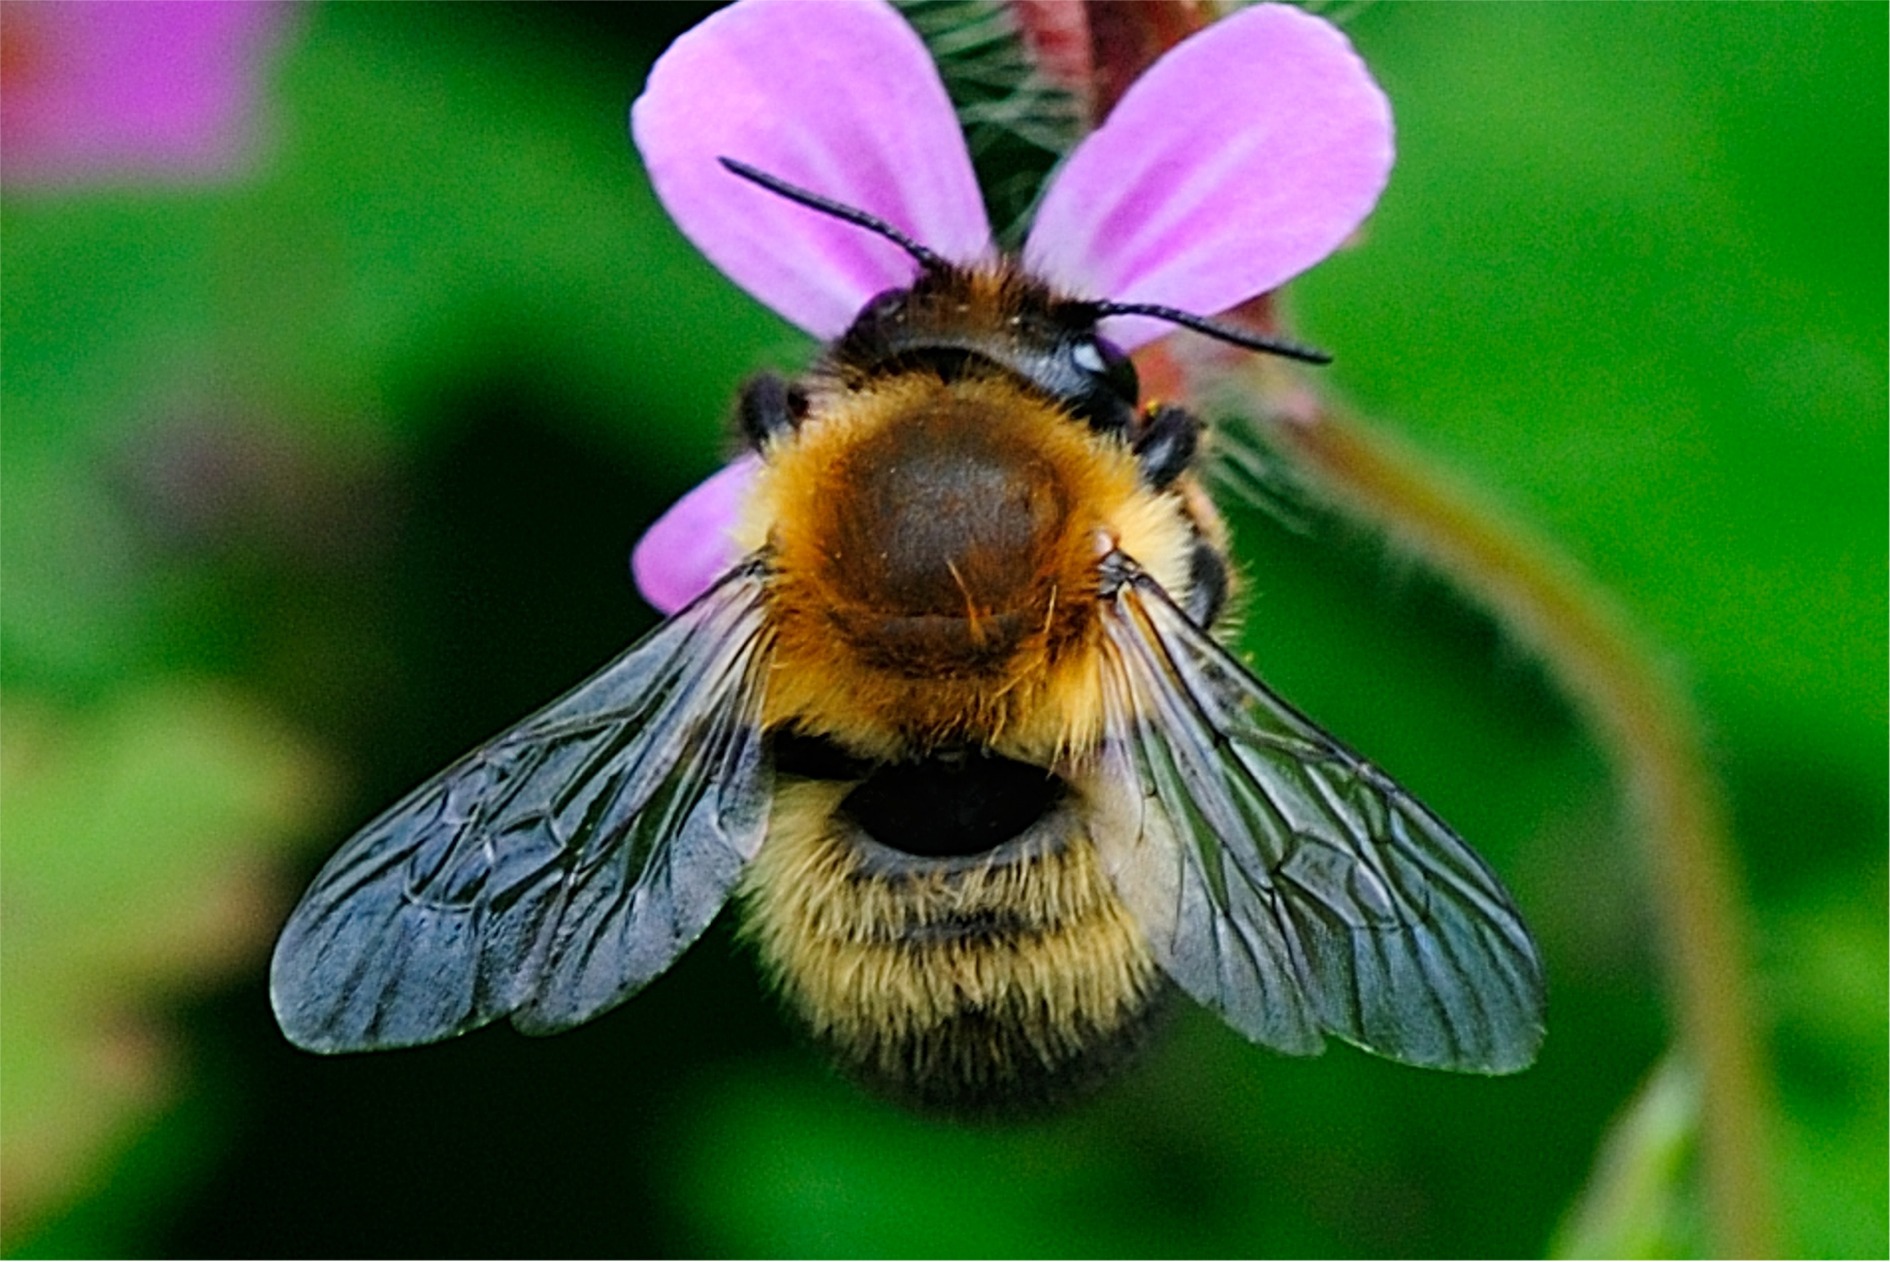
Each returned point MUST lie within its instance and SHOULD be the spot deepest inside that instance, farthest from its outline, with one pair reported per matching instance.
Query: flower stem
(1652, 739)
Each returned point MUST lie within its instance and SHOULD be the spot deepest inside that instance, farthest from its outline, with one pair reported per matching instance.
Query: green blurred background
(317, 477)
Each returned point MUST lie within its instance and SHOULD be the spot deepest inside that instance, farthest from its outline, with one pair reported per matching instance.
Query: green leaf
(1636, 1201)
(140, 840)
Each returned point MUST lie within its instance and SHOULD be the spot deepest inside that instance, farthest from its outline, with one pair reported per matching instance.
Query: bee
(956, 735)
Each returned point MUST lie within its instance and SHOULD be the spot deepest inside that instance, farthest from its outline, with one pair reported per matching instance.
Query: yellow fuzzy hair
(905, 973)
(1048, 700)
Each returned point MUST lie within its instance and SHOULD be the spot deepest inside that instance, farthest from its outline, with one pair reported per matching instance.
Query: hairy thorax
(935, 546)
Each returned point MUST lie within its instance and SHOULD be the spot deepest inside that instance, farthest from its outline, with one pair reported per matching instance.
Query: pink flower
(1241, 158)
(92, 90)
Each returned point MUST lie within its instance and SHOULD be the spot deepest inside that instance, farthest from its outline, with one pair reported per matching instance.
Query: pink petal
(839, 97)
(1244, 156)
(682, 554)
(131, 90)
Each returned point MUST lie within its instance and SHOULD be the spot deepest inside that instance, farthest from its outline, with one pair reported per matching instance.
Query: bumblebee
(957, 736)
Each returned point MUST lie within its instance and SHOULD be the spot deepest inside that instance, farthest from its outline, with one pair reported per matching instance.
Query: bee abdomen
(995, 1063)
(1000, 983)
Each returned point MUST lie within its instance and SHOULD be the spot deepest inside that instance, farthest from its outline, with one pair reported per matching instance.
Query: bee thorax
(933, 545)
(945, 553)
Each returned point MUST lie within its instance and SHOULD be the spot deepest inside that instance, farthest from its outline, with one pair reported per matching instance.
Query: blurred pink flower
(1243, 156)
(98, 91)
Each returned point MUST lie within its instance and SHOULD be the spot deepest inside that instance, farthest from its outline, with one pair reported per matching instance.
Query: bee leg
(770, 407)
(1207, 584)
(1166, 446)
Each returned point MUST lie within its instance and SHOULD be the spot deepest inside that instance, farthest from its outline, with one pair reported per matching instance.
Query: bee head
(958, 320)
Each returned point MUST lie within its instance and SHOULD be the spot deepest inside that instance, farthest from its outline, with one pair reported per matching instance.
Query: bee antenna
(928, 259)
(1214, 329)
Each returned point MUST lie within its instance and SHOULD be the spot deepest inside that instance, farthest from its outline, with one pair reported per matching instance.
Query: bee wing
(550, 873)
(1289, 885)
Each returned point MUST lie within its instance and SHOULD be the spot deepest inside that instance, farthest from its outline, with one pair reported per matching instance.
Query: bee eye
(1102, 359)
(884, 304)
(871, 335)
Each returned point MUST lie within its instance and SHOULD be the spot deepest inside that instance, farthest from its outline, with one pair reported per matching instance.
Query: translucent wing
(1285, 883)
(549, 874)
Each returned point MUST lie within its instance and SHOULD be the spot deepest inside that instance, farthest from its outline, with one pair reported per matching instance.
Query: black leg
(1207, 584)
(1166, 446)
(770, 407)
